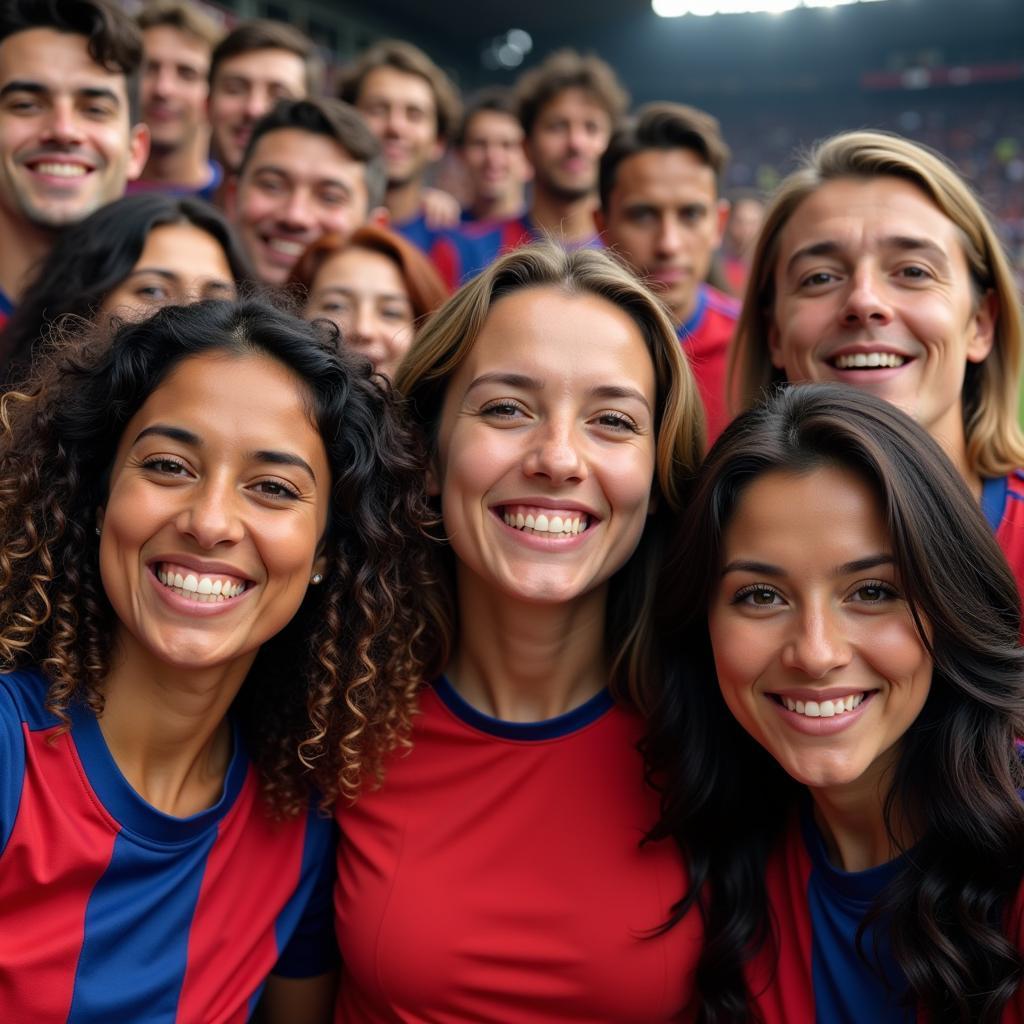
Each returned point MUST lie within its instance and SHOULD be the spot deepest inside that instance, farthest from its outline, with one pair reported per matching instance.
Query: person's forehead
(59, 61)
(270, 66)
(174, 43)
(391, 83)
(490, 123)
(668, 175)
(573, 99)
(306, 155)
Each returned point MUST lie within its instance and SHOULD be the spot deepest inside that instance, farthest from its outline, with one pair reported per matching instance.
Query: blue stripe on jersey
(135, 945)
(846, 990)
(12, 760)
(6, 306)
(693, 321)
(549, 729)
(993, 499)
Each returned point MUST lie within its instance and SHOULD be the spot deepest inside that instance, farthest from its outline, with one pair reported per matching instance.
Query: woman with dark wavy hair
(837, 750)
(210, 573)
(128, 259)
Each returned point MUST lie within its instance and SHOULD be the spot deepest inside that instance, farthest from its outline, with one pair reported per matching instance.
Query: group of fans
(640, 685)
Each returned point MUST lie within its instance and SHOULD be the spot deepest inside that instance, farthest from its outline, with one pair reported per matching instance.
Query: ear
(983, 327)
(138, 150)
(775, 345)
(379, 217)
(722, 212)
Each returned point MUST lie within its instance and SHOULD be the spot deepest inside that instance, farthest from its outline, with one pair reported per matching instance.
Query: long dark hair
(90, 259)
(958, 773)
(335, 690)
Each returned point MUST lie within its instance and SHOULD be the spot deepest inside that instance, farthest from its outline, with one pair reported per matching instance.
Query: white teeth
(179, 581)
(825, 708)
(191, 583)
(869, 360)
(530, 521)
(286, 248)
(555, 526)
(541, 523)
(520, 521)
(60, 170)
(204, 589)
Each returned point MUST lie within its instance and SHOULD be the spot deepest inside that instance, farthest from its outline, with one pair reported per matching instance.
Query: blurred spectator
(312, 167)
(746, 211)
(178, 40)
(255, 65)
(378, 288)
(69, 137)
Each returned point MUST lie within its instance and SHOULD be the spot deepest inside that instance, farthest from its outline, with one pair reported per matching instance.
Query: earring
(316, 578)
(99, 532)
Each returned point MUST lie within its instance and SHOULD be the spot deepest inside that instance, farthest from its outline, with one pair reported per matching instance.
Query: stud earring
(316, 578)
(99, 532)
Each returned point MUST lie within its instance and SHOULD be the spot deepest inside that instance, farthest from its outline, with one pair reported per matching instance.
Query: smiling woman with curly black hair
(212, 553)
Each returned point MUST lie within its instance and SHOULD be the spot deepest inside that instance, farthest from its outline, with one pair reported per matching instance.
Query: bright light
(704, 8)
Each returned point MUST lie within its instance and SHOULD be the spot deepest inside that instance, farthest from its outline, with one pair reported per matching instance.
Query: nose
(257, 103)
(865, 301)
(670, 236)
(817, 644)
(298, 214)
(62, 126)
(211, 515)
(555, 453)
(364, 326)
(577, 137)
(163, 81)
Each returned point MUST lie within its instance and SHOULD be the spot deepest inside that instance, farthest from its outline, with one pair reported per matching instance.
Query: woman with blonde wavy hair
(497, 873)
(877, 267)
(213, 546)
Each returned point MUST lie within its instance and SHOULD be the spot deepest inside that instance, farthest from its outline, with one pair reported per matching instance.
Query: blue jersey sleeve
(12, 761)
(312, 948)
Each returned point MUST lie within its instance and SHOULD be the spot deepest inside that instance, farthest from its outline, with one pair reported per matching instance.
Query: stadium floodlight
(705, 8)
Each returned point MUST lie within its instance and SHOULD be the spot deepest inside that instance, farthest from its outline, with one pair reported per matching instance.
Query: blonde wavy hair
(447, 339)
(995, 444)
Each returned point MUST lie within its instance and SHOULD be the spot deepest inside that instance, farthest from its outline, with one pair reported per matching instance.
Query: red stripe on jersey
(229, 927)
(52, 839)
(446, 262)
(1010, 532)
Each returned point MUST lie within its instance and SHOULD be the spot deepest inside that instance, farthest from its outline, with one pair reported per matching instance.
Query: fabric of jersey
(207, 192)
(6, 309)
(497, 876)
(449, 249)
(820, 976)
(705, 337)
(111, 910)
(1002, 501)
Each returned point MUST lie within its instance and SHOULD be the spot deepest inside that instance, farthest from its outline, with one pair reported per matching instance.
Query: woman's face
(364, 294)
(817, 654)
(217, 503)
(179, 263)
(546, 446)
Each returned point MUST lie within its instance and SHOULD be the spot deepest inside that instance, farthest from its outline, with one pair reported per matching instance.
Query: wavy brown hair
(331, 694)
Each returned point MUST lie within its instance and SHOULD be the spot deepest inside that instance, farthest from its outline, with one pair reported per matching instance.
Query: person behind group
(177, 41)
(256, 64)
(661, 210)
(70, 135)
(497, 873)
(311, 167)
(746, 212)
(211, 568)
(877, 267)
(489, 143)
(847, 631)
(128, 259)
(376, 287)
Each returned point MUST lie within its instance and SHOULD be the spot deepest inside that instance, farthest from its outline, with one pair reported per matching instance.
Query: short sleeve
(12, 761)
(312, 948)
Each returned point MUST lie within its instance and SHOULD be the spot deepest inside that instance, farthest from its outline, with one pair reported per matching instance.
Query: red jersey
(497, 876)
(1002, 501)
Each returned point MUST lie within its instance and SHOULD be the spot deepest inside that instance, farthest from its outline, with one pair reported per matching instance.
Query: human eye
(165, 465)
(817, 279)
(276, 489)
(271, 183)
(333, 197)
(757, 595)
(616, 421)
(503, 409)
(874, 592)
(397, 313)
(914, 272)
(153, 292)
(23, 104)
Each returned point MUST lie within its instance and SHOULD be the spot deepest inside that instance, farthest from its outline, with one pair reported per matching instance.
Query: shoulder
(720, 304)
(23, 697)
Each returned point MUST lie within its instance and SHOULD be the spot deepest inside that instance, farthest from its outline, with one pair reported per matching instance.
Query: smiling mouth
(868, 361)
(58, 169)
(198, 587)
(549, 522)
(824, 708)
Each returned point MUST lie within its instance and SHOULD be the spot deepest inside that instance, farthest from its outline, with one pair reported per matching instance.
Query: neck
(949, 432)
(571, 220)
(498, 207)
(682, 313)
(184, 165)
(17, 262)
(167, 728)
(527, 662)
(404, 201)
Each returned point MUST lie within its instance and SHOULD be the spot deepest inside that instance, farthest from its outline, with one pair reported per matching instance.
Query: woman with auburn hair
(858, 854)
(210, 576)
(376, 287)
(877, 267)
(497, 872)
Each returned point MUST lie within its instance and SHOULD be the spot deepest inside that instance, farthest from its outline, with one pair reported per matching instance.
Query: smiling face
(363, 293)
(180, 263)
(66, 143)
(218, 500)
(872, 289)
(297, 186)
(174, 86)
(492, 150)
(817, 654)
(546, 447)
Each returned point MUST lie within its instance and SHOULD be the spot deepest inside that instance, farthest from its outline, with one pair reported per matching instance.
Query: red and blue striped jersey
(6, 309)
(1002, 501)
(819, 976)
(705, 338)
(111, 910)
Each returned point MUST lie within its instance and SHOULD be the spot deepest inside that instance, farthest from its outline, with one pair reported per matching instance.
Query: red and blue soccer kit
(451, 250)
(1002, 501)
(111, 910)
(6, 309)
(820, 977)
(705, 338)
(497, 875)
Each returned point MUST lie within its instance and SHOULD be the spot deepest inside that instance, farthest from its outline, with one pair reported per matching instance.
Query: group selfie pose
(461, 562)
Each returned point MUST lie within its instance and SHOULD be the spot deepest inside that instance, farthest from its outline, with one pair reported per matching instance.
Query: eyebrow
(38, 89)
(846, 569)
(904, 243)
(337, 289)
(264, 455)
(286, 173)
(174, 277)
